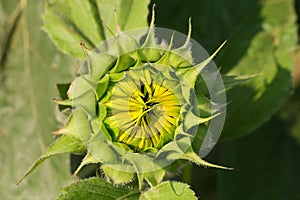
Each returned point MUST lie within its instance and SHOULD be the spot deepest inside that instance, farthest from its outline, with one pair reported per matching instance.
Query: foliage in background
(30, 68)
(261, 40)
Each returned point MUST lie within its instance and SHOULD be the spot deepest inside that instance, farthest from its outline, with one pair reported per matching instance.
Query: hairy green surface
(169, 190)
(96, 188)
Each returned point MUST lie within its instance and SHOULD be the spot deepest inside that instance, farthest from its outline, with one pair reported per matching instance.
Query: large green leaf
(90, 21)
(96, 188)
(169, 190)
(29, 72)
(270, 54)
(261, 39)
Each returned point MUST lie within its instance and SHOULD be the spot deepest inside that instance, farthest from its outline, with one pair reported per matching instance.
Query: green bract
(134, 110)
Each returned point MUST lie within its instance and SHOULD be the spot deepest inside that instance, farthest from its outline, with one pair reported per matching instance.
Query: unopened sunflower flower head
(135, 106)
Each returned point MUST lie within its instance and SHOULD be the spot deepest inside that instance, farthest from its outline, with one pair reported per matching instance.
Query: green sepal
(64, 144)
(149, 51)
(121, 148)
(170, 151)
(143, 164)
(104, 132)
(77, 126)
(102, 112)
(113, 128)
(186, 92)
(123, 63)
(191, 74)
(102, 151)
(102, 86)
(81, 85)
(100, 131)
(182, 57)
(99, 64)
(169, 190)
(193, 157)
(121, 44)
(87, 101)
(165, 58)
(124, 44)
(178, 61)
(118, 173)
(115, 77)
(123, 47)
(184, 141)
(191, 120)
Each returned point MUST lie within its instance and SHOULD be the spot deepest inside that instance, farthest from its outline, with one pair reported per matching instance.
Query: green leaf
(130, 14)
(95, 189)
(28, 77)
(169, 190)
(62, 145)
(231, 81)
(269, 54)
(70, 22)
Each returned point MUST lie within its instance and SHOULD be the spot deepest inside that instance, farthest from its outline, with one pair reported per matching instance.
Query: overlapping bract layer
(134, 109)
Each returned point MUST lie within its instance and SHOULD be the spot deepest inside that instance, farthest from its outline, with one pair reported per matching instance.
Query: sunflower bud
(134, 106)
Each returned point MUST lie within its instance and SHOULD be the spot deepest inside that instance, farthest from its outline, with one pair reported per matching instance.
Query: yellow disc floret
(145, 109)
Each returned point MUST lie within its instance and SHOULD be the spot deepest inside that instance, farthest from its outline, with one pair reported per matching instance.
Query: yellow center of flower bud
(145, 109)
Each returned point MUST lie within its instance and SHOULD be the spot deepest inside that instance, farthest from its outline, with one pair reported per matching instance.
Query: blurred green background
(266, 161)
(261, 138)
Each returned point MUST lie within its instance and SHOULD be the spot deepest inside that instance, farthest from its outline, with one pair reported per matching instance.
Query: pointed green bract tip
(133, 107)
